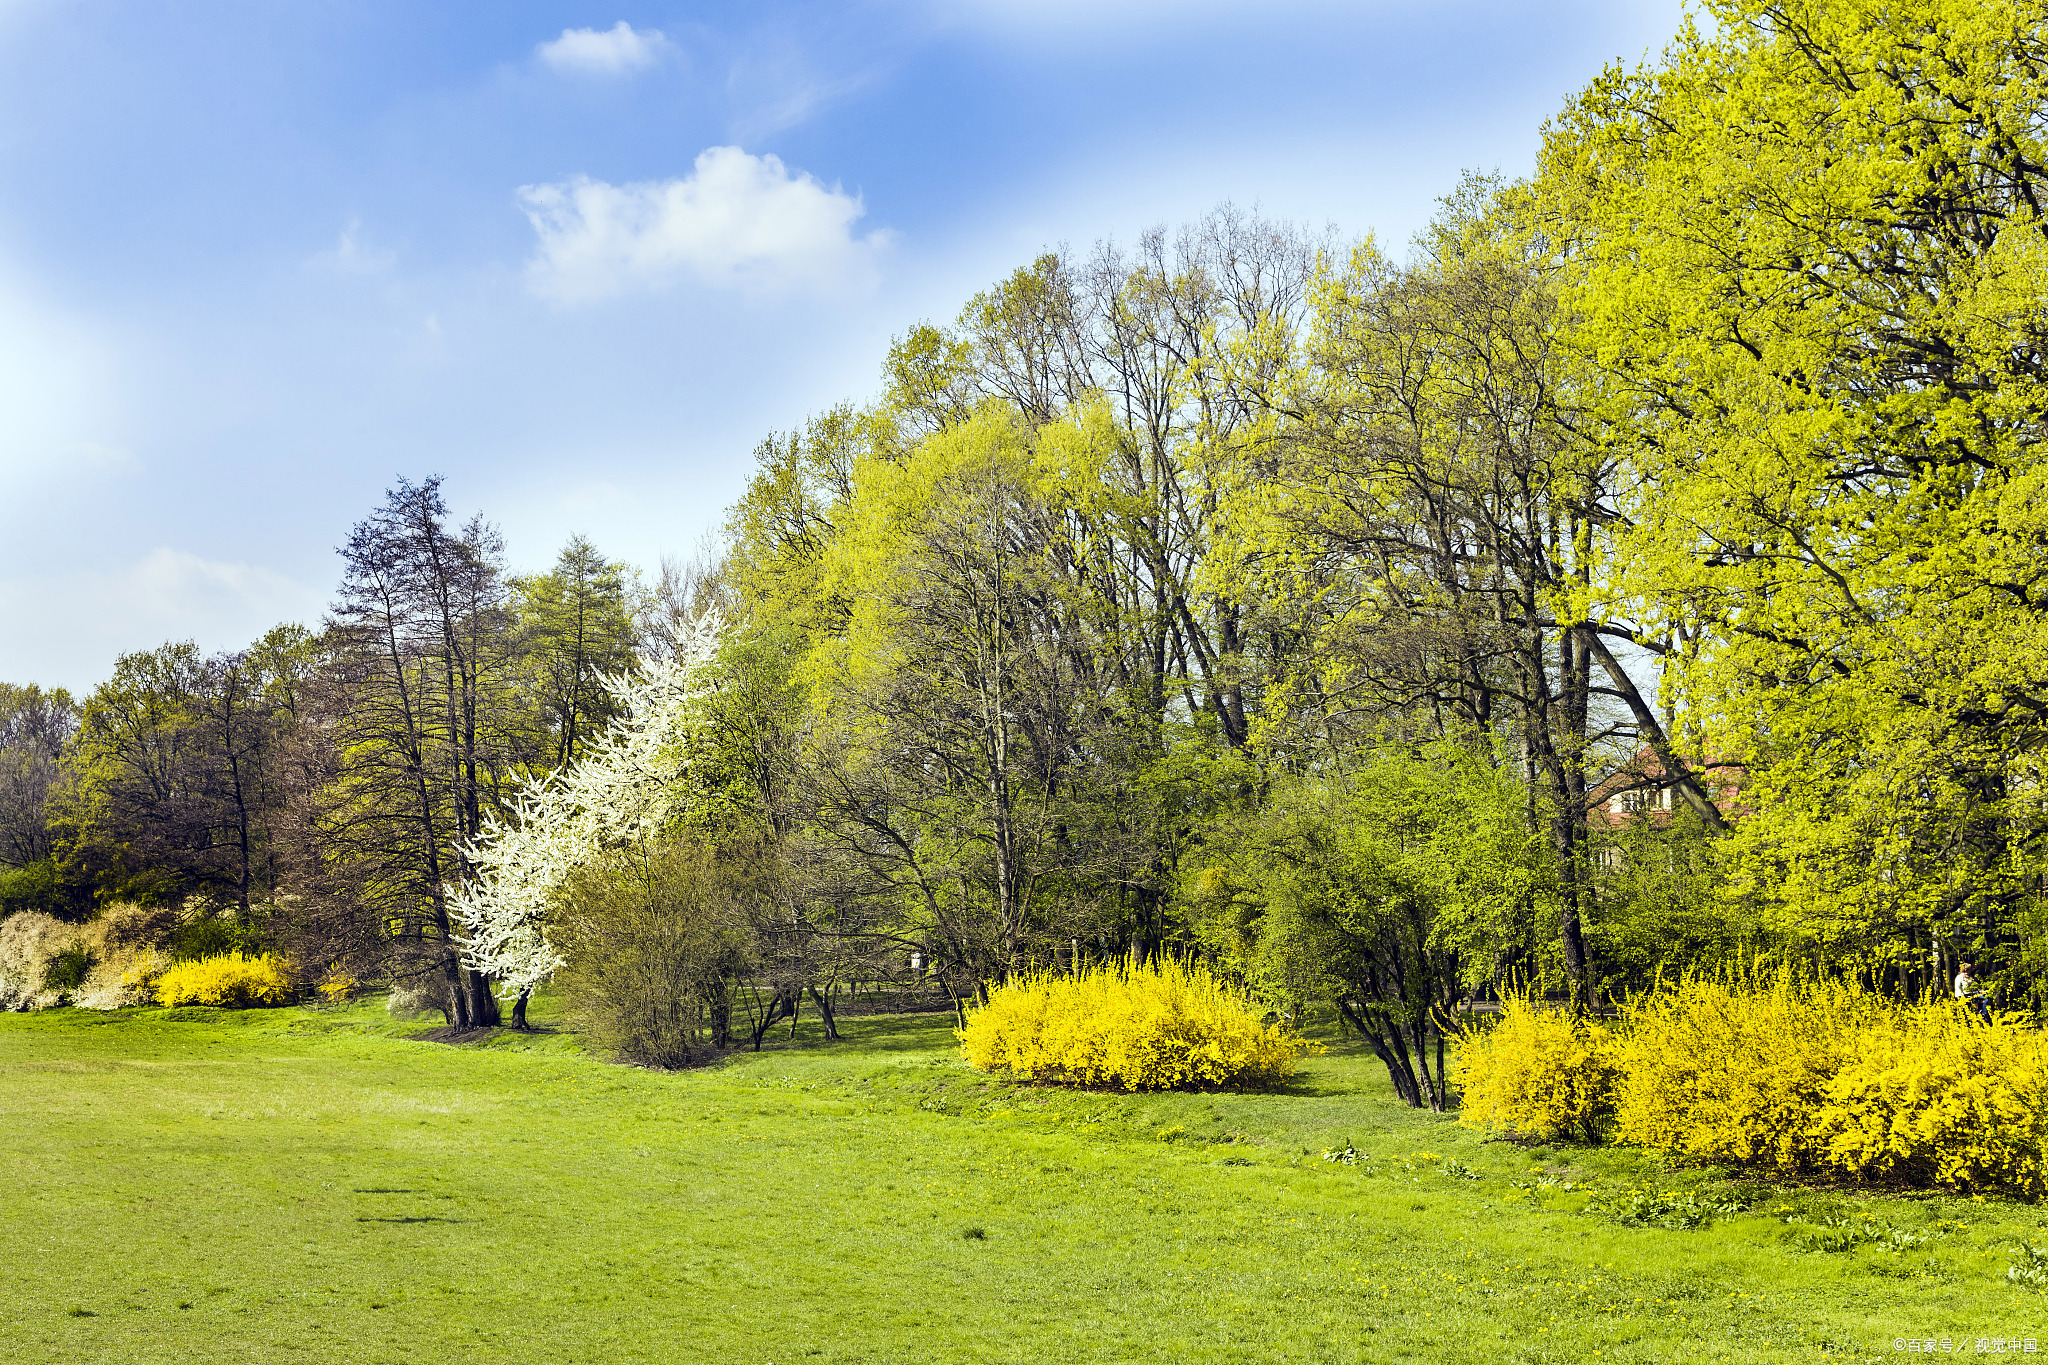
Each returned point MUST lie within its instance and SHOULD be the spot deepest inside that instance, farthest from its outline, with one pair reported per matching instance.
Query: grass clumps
(230, 980)
(1160, 1025)
(1801, 1077)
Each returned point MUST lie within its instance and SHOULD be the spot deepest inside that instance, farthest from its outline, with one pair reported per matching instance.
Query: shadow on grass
(870, 1033)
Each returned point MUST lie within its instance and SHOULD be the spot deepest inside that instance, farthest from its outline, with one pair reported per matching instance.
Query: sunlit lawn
(303, 1186)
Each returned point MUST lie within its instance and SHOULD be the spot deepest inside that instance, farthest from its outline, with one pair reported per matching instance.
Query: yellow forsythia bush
(1716, 1068)
(231, 979)
(1162, 1025)
(1931, 1096)
(1538, 1071)
(1793, 1074)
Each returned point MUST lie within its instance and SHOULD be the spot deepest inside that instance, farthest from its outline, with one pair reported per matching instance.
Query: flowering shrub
(338, 987)
(1932, 1097)
(1163, 1025)
(125, 976)
(29, 942)
(1795, 1075)
(1538, 1071)
(1713, 1068)
(231, 979)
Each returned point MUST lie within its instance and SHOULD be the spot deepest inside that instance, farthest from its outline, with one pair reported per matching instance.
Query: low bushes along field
(137, 955)
(1161, 1025)
(230, 980)
(1793, 1076)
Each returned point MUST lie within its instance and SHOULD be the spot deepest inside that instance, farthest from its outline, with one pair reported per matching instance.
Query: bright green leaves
(1812, 256)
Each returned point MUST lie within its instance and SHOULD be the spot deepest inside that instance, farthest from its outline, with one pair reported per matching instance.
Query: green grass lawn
(286, 1185)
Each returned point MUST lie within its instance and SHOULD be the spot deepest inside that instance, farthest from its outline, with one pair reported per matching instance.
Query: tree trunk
(457, 989)
(1388, 1047)
(824, 1001)
(483, 1001)
(783, 1004)
(721, 1016)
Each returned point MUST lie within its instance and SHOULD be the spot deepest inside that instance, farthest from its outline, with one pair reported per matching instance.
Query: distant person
(1972, 994)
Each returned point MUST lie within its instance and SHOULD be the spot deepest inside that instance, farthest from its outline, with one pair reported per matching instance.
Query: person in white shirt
(1970, 993)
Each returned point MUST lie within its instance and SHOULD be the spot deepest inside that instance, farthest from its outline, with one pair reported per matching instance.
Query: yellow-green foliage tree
(1114, 385)
(1427, 518)
(1813, 259)
(969, 704)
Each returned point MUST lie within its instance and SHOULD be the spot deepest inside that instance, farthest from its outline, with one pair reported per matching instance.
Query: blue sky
(257, 260)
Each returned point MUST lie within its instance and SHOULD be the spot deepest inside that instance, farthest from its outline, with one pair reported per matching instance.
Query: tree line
(317, 790)
(1644, 568)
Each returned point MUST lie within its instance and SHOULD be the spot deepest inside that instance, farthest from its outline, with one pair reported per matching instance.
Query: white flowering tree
(625, 785)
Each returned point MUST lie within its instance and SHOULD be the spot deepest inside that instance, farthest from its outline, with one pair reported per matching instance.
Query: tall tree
(35, 725)
(578, 627)
(419, 688)
(1430, 526)
(1814, 260)
(1141, 348)
(181, 775)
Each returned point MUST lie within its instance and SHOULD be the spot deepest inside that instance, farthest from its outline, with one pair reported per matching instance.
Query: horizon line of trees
(1249, 592)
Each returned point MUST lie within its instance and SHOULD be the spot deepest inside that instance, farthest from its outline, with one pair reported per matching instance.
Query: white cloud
(95, 460)
(609, 52)
(736, 220)
(169, 584)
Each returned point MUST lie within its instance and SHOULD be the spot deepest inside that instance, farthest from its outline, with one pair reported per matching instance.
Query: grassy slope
(297, 1186)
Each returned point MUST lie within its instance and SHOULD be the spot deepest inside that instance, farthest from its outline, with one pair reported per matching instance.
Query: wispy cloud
(169, 584)
(616, 51)
(66, 628)
(736, 221)
(351, 255)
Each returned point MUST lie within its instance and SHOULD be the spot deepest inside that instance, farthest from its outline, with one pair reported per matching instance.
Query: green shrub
(650, 936)
(67, 968)
(203, 934)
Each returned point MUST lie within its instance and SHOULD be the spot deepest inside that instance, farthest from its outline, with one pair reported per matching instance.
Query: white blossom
(624, 786)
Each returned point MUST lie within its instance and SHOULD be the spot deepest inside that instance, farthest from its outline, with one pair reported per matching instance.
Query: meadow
(315, 1185)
